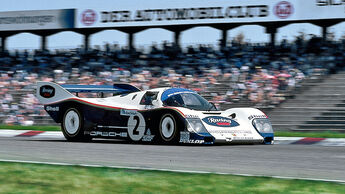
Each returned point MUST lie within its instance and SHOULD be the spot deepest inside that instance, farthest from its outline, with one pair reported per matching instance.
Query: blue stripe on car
(172, 91)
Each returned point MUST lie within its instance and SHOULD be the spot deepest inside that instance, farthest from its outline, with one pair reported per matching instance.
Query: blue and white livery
(164, 115)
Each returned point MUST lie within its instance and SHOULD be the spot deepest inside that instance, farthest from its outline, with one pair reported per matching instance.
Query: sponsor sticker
(47, 91)
(185, 138)
(52, 108)
(192, 116)
(125, 112)
(257, 117)
(220, 121)
(195, 141)
(148, 136)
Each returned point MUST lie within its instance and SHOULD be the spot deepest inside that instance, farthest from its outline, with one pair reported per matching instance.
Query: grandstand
(281, 78)
(233, 79)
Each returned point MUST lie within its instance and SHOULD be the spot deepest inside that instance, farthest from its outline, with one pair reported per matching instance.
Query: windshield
(189, 100)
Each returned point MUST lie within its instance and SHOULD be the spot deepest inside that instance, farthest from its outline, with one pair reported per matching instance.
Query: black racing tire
(72, 125)
(168, 129)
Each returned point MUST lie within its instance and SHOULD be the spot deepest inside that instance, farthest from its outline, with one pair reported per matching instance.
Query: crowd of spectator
(256, 73)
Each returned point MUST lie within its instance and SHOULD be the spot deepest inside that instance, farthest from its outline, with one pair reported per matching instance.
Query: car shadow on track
(124, 142)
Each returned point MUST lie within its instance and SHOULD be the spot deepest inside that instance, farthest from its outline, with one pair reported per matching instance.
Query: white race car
(165, 115)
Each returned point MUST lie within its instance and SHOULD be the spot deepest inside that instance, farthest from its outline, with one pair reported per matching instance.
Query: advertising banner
(178, 12)
(36, 20)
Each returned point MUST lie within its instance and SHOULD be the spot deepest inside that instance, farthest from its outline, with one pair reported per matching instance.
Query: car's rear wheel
(168, 128)
(72, 125)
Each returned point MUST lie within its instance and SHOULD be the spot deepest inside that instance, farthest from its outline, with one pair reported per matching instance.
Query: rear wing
(50, 92)
(115, 89)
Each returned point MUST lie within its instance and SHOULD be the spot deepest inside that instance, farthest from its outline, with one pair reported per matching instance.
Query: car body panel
(135, 115)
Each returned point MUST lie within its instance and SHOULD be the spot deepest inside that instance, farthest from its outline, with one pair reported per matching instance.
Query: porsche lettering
(108, 134)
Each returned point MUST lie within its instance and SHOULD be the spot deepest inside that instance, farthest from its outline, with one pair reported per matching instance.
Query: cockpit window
(175, 100)
(189, 100)
(148, 98)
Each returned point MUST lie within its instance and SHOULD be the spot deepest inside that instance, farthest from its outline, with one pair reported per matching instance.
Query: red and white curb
(310, 141)
(32, 134)
(277, 140)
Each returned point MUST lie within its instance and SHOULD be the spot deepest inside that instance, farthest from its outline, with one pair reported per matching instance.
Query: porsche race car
(164, 115)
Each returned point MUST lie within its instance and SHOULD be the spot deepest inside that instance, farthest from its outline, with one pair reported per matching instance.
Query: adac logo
(88, 17)
(47, 91)
(283, 9)
(220, 121)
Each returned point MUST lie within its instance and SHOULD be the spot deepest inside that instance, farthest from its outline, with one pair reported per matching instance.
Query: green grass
(321, 134)
(36, 178)
(325, 134)
(36, 128)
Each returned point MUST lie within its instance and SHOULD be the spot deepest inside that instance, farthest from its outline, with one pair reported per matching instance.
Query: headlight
(263, 125)
(196, 125)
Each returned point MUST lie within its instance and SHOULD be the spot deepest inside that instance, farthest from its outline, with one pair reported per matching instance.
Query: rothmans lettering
(213, 120)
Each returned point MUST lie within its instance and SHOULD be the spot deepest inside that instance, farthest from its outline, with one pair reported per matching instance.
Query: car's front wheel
(168, 128)
(72, 125)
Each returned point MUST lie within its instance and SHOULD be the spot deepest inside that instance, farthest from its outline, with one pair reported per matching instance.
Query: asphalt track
(295, 161)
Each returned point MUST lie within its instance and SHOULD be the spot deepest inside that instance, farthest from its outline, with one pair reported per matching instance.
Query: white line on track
(171, 170)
